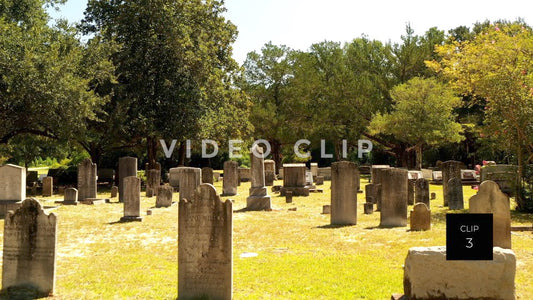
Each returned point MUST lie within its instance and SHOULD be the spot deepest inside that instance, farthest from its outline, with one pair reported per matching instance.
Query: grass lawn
(298, 255)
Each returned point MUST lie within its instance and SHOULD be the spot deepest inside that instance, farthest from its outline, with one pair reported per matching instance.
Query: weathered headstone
(114, 191)
(216, 176)
(326, 172)
(173, 178)
(132, 199)
(411, 191)
(369, 208)
(377, 174)
(433, 196)
(422, 191)
(369, 193)
(70, 197)
(506, 176)
(259, 198)
(420, 218)
(415, 174)
(190, 179)
(12, 187)
(230, 178)
(153, 181)
(314, 169)
(86, 179)
(288, 197)
(455, 194)
(205, 246)
(394, 198)
(450, 169)
(127, 166)
(207, 175)
(245, 174)
(164, 196)
(294, 180)
(428, 275)
(48, 186)
(344, 193)
(490, 199)
(29, 256)
(427, 174)
(326, 209)
(270, 172)
(374, 169)
(319, 180)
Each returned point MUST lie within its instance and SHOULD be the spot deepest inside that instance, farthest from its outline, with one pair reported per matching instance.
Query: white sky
(300, 23)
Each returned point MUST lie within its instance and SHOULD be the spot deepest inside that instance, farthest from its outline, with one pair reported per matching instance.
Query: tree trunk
(338, 150)
(181, 154)
(276, 154)
(418, 149)
(151, 148)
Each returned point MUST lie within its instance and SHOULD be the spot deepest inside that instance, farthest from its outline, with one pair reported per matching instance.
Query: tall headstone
(394, 198)
(164, 196)
(490, 199)
(420, 218)
(29, 256)
(422, 191)
(369, 193)
(344, 193)
(127, 166)
(270, 172)
(70, 197)
(411, 191)
(12, 187)
(450, 169)
(259, 198)
(48, 186)
(153, 181)
(377, 174)
(455, 194)
(132, 199)
(205, 266)
(207, 175)
(190, 179)
(294, 180)
(230, 180)
(86, 179)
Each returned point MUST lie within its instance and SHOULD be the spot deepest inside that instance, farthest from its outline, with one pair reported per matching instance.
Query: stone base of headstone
(131, 219)
(369, 208)
(69, 202)
(296, 191)
(93, 201)
(288, 197)
(326, 209)
(7, 205)
(258, 203)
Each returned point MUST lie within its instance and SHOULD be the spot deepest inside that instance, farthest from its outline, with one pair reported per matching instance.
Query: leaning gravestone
(29, 256)
(132, 199)
(230, 179)
(12, 187)
(86, 180)
(455, 194)
(393, 198)
(207, 175)
(422, 191)
(70, 197)
(164, 196)
(450, 169)
(48, 186)
(490, 199)
(259, 198)
(420, 218)
(205, 246)
(190, 179)
(344, 193)
(127, 166)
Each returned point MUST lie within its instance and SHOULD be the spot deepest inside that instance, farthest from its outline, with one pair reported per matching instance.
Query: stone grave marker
(369, 193)
(86, 179)
(12, 187)
(319, 180)
(455, 193)
(270, 172)
(114, 191)
(369, 208)
(230, 179)
(326, 209)
(127, 166)
(245, 174)
(205, 266)
(259, 198)
(153, 181)
(132, 199)
(394, 198)
(411, 191)
(207, 175)
(422, 191)
(29, 255)
(70, 197)
(48, 186)
(288, 197)
(294, 180)
(190, 179)
(420, 218)
(344, 193)
(450, 169)
(164, 196)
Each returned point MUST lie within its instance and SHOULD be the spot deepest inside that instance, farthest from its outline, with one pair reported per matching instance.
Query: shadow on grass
(333, 226)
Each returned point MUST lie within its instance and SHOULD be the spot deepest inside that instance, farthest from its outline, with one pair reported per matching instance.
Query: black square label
(468, 236)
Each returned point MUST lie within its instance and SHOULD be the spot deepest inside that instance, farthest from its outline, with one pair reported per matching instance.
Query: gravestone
(455, 194)
(288, 197)
(374, 170)
(86, 179)
(427, 174)
(207, 175)
(294, 180)
(326, 209)
(48, 186)
(393, 198)
(326, 172)
(411, 191)
(314, 169)
(422, 191)
(70, 197)
(415, 174)
(132, 199)
(164, 196)
(436, 177)
(29, 255)
(490, 199)
(319, 180)
(433, 196)
(369, 208)
(230, 179)
(309, 180)
(506, 176)
(127, 166)
(344, 175)
(270, 172)
(216, 176)
(420, 218)
(190, 179)
(173, 178)
(245, 174)
(258, 199)
(153, 181)
(205, 246)
(114, 191)
(450, 169)
(369, 193)
(12, 187)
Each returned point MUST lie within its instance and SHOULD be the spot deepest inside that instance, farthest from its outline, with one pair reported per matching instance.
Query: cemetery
(266, 150)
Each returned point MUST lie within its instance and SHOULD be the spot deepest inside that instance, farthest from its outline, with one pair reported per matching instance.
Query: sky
(300, 23)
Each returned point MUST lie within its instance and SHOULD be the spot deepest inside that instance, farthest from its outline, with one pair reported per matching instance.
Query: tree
(422, 115)
(497, 65)
(173, 67)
